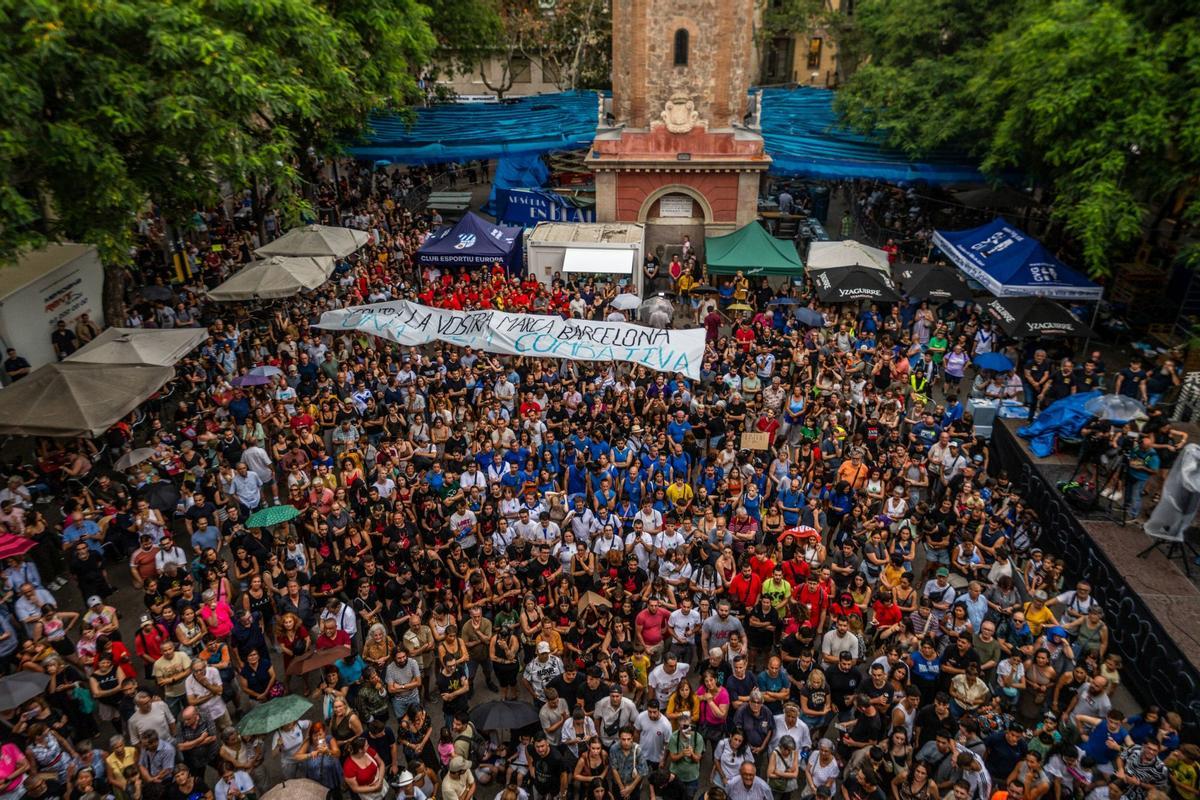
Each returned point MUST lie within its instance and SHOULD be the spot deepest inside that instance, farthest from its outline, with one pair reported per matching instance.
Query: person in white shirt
(472, 478)
(342, 615)
(683, 624)
(640, 544)
(203, 689)
(613, 713)
(654, 732)
(577, 729)
(652, 520)
(541, 670)
(545, 531)
(837, 641)
(169, 553)
(524, 527)
(789, 724)
(583, 522)
(258, 462)
(667, 541)
(666, 677)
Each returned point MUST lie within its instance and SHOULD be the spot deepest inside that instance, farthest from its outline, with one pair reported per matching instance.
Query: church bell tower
(680, 148)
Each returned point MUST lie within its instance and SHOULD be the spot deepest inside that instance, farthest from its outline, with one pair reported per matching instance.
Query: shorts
(937, 556)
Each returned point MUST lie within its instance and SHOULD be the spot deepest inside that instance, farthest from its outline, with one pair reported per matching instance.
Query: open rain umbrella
(996, 362)
(810, 317)
(855, 283)
(592, 600)
(316, 240)
(297, 789)
(250, 380)
(1028, 317)
(503, 715)
(272, 515)
(317, 659)
(134, 457)
(20, 688)
(277, 276)
(626, 301)
(157, 294)
(703, 289)
(161, 495)
(738, 307)
(266, 371)
(800, 532)
(12, 545)
(274, 714)
(784, 301)
(1115, 407)
(931, 282)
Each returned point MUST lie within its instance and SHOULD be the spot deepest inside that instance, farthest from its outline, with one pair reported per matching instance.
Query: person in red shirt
(762, 564)
(796, 570)
(886, 616)
(813, 600)
(769, 424)
(744, 336)
(332, 636)
(147, 643)
(650, 626)
(745, 587)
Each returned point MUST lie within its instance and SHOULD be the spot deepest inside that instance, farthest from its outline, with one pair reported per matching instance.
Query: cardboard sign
(756, 441)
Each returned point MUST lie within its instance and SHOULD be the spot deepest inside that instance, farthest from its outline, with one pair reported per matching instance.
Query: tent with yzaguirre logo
(473, 242)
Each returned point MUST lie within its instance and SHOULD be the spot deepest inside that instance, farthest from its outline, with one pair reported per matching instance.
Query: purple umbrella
(251, 380)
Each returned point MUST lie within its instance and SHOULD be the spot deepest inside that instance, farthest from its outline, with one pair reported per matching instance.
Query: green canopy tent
(753, 251)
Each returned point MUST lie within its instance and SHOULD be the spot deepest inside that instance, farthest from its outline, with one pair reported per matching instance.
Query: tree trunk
(114, 295)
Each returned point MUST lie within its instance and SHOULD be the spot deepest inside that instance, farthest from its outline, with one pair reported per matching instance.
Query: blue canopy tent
(474, 242)
(804, 137)
(1010, 263)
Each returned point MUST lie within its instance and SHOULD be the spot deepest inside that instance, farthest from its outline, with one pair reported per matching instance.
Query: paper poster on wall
(538, 335)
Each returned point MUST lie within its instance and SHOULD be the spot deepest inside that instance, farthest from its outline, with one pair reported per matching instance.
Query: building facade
(680, 150)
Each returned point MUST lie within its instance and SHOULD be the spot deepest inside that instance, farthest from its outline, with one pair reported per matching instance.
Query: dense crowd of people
(857, 609)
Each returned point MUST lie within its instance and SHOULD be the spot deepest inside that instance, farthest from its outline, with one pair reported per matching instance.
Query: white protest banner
(537, 335)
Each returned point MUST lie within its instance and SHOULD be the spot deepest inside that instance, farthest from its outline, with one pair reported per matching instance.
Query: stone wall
(721, 58)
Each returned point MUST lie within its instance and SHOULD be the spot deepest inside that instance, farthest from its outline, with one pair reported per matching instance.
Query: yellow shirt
(1038, 619)
(679, 494)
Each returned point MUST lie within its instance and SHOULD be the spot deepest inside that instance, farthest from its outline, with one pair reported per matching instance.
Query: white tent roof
(848, 253)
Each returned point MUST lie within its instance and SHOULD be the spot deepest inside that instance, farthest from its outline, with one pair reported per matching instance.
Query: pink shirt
(651, 625)
(219, 620)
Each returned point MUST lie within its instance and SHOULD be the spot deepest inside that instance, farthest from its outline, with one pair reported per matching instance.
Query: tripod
(1180, 548)
(1109, 469)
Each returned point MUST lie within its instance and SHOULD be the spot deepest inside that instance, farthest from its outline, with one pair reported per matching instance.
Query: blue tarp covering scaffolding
(466, 131)
(800, 129)
(803, 136)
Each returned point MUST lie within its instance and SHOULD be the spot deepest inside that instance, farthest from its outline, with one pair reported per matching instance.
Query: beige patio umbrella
(77, 398)
(159, 347)
(848, 253)
(316, 240)
(278, 276)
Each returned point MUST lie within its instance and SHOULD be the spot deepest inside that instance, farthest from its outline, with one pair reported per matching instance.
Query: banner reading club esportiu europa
(535, 335)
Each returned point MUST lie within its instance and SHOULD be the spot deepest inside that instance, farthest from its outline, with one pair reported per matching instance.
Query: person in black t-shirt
(1061, 384)
(1131, 381)
(185, 785)
(547, 770)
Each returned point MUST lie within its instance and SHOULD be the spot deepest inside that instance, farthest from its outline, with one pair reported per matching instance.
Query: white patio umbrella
(163, 347)
(278, 276)
(73, 398)
(626, 302)
(848, 253)
(316, 240)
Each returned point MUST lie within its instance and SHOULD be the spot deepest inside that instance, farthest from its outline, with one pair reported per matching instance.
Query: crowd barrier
(1155, 671)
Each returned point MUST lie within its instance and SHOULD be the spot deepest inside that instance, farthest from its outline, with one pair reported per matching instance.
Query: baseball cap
(543, 647)
(942, 572)
(145, 619)
(94, 600)
(459, 764)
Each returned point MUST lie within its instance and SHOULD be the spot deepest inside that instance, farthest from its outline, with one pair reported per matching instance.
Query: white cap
(94, 600)
(543, 647)
(405, 778)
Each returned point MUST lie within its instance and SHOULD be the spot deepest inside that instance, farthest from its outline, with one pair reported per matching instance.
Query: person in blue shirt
(954, 411)
(678, 427)
(711, 478)
(869, 320)
(632, 487)
(680, 461)
(577, 479)
(926, 431)
(1106, 741)
(791, 501)
(621, 454)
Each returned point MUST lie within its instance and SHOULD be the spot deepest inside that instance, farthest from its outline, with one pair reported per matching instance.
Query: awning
(582, 259)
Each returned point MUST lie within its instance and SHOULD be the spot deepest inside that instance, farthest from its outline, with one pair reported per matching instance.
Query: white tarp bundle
(537, 335)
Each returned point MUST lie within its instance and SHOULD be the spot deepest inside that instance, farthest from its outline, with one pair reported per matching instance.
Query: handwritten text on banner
(526, 334)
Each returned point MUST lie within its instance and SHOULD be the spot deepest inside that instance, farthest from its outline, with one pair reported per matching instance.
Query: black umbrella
(161, 495)
(20, 687)
(503, 715)
(1029, 317)
(931, 282)
(847, 284)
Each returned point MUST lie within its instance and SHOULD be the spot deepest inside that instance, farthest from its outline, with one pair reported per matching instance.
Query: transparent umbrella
(626, 301)
(1115, 407)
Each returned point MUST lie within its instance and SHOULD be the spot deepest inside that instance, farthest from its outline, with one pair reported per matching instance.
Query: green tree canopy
(1098, 101)
(113, 104)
